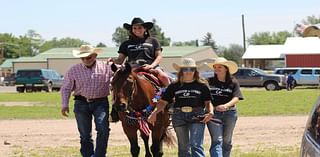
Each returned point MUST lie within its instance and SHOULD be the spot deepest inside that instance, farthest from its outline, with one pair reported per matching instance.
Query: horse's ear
(127, 67)
(114, 68)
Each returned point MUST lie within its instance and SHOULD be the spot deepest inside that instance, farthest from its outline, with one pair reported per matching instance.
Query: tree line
(32, 42)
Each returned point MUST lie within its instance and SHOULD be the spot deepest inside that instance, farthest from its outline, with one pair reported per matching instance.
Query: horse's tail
(168, 138)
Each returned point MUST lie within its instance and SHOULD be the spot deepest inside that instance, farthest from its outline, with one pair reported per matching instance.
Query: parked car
(254, 77)
(310, 145)
(302, 76)
(37, 80)
(9, 80)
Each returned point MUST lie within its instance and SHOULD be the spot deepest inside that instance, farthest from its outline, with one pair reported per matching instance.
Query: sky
(95, 21)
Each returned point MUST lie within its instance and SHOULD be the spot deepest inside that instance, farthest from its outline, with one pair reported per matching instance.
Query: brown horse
(133, 99)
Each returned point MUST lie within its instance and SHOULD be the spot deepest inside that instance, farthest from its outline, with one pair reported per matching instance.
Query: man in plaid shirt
(89, 82)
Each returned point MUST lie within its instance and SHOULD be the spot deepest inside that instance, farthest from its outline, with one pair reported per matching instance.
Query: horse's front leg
(156, 148)
(157, 137)
(145, 139)
(131, 132)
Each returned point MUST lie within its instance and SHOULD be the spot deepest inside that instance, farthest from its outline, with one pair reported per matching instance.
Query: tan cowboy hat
(185, 63)
(232, 66)
(85, 51)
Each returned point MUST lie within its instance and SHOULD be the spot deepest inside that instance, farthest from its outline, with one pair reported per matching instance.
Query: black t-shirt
(192, 94)
(141, 51)
(223, 92)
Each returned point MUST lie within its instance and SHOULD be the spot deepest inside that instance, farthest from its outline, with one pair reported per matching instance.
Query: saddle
(149, 75)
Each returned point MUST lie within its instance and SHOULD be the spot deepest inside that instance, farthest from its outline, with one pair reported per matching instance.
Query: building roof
(7, 63)
(299, 45)
(263, 51)
(293, 45)
(108, 52)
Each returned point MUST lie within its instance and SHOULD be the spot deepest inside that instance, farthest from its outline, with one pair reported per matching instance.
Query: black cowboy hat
(138, 20)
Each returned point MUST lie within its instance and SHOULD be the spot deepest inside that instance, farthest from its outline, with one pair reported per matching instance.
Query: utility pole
(1, 52)
(244, 34)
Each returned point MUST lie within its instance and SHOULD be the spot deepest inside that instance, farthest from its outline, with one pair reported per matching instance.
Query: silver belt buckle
(89, 100)
(186, 109)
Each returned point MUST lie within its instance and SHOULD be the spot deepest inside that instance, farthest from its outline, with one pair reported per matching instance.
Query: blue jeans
(84, 112)
(189, 133)
(221, 134)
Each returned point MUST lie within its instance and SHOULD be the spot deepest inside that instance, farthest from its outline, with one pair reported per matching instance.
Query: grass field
(257, 102)
(122, 151)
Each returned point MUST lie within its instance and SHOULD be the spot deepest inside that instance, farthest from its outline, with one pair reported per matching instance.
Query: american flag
(144, 127)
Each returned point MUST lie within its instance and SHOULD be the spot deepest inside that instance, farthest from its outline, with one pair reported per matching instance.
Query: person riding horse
(141, 49)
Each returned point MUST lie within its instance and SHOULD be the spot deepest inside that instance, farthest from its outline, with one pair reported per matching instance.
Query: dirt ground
(250, 133)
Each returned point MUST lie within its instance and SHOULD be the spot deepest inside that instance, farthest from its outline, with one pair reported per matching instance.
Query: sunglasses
(86, 58)
(189, 69)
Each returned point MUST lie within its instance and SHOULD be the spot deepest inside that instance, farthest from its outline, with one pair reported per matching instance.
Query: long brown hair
(228, 78)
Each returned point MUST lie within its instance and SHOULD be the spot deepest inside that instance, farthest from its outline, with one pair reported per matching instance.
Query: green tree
(36, 41)
(62, 43)
(25, 46)
(234, 52)
(119, 36)
(267, 38)
(281, 37)
(100, 44)
(185, 43)
(156, 31)
(208, 41)
(311, 20)
(13, 47)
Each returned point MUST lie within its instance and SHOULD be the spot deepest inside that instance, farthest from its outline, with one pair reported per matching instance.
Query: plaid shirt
(90, 83)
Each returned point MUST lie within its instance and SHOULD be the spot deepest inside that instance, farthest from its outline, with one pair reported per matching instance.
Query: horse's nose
(120, 106)
(123, 107)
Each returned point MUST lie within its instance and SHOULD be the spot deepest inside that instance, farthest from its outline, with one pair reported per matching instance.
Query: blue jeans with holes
(221, 134)
(189, 134)
(84, 112)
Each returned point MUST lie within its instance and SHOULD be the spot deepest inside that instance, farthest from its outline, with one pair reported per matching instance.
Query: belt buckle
(186, 109)
(89, 100)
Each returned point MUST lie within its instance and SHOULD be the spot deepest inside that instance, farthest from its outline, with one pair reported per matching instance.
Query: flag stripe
(144, 127)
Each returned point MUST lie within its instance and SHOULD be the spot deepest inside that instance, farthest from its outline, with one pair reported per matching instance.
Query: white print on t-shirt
(187, 93)
(220, 91)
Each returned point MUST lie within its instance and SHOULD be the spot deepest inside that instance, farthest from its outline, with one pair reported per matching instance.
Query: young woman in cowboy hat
(192, 99)
(225, 92)
(142, 49)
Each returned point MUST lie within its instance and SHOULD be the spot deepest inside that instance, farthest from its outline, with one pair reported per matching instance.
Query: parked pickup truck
(30, 80)
(254, 77)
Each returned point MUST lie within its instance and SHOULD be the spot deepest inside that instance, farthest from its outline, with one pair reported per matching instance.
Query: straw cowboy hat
(85, 51)
(185, 63)
(232, 66)
(138, 20)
